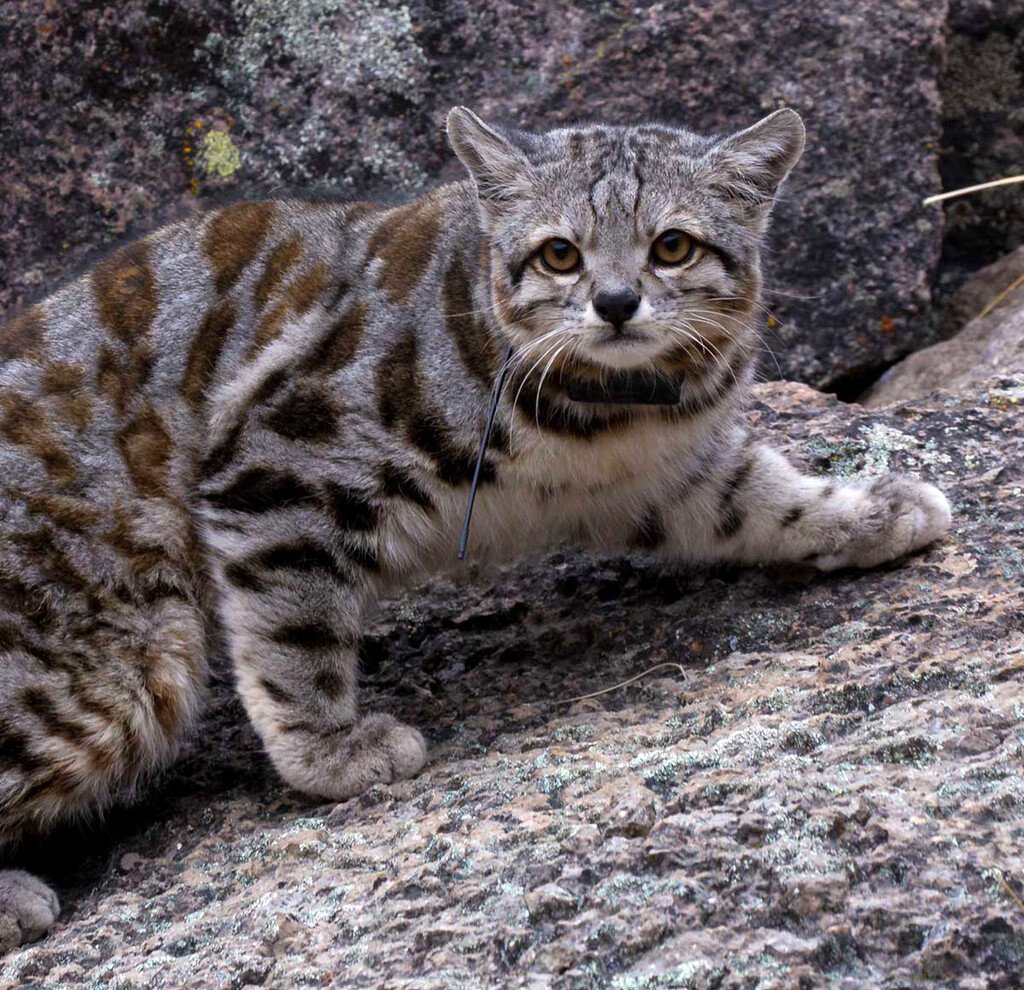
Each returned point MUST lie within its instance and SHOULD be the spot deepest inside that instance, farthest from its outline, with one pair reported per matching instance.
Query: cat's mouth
(624, 335)
(624, 347)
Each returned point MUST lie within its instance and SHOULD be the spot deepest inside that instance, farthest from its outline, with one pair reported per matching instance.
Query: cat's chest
(551, 471)
(549, 490)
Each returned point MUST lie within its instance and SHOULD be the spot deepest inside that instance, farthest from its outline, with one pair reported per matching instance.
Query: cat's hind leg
(82, 723)
(102, 674)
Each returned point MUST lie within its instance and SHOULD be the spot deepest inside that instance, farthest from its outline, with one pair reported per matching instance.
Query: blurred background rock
(121, 116)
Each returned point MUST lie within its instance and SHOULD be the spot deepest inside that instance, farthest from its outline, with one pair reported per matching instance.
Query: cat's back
(221, 285)
(249, 259)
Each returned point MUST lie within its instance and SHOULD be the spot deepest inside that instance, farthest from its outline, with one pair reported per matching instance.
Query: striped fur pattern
(259, 419)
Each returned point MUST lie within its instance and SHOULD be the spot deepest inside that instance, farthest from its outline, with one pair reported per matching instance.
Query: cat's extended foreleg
(293, 620)
(754, 506)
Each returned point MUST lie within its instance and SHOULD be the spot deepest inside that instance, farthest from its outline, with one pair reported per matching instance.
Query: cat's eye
(673, 248)
(560, 255)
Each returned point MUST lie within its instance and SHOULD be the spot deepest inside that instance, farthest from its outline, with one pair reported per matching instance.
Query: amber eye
(560, 255)
(673, 248)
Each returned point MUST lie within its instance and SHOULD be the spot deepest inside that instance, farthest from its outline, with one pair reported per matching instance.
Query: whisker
(544, 374)
(793, 295)
(688, 340)
(701, 341)
(714, 318)
(523, 353)
(522, 385)
(540, 385)
(687, 334)
(764, 345)
(756, 304)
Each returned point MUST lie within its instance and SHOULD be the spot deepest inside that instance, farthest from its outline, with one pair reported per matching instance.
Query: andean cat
(264, 416)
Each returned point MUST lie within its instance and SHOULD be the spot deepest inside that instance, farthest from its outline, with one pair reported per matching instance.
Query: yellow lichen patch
(220, 154)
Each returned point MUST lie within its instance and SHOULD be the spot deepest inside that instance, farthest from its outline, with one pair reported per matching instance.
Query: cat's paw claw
(380, 750)
(932, 516)
(408, 751)
(28, 908)
(910, 513)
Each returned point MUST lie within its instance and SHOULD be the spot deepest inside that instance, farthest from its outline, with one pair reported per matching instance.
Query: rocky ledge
(831, 795)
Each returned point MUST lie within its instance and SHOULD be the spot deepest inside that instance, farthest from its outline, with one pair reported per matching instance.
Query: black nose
(617, 307)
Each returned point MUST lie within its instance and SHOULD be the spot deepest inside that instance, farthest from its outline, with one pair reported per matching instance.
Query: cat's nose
(618, 306)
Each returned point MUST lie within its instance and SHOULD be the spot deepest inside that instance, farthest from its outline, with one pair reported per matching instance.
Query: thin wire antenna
(622, 684)
(939, 197)
(485, 440)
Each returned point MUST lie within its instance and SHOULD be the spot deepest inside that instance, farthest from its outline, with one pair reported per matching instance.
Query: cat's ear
(496, 165)
(751, 164)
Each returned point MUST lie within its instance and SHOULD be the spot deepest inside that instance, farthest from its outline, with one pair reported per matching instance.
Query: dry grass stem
(953, 193)
(622, 684)
(992, 303)
(1006, 886)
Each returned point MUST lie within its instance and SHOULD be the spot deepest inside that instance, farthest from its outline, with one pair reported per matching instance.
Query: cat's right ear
(748, 167)
(497, 167)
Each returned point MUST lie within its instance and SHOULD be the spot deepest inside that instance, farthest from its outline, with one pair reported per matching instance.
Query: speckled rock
(832, 795)
(991, 344)
(116, 113)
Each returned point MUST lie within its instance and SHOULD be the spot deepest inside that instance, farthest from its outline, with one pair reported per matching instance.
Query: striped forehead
(614, 196)
(610, 163)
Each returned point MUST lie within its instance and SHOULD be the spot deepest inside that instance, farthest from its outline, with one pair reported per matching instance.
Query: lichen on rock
(220, 155)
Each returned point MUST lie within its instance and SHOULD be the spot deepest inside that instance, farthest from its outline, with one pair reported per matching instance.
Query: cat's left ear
(498, 168)
(751, 164)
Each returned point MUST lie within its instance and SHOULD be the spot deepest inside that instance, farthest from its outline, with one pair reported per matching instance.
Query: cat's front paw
(27, 909)
(895, 516)
(377, 749)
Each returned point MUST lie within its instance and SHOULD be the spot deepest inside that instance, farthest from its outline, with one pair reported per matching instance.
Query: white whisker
(544, 373)
(522, 385)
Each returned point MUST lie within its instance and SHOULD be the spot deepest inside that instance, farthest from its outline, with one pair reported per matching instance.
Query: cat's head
(627, 247)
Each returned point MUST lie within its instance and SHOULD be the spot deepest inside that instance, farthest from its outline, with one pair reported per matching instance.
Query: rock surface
(990, 344)
(831, 796)
(118, 112)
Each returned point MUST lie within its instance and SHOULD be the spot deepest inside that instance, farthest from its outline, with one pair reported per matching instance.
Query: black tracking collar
(631, 388)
